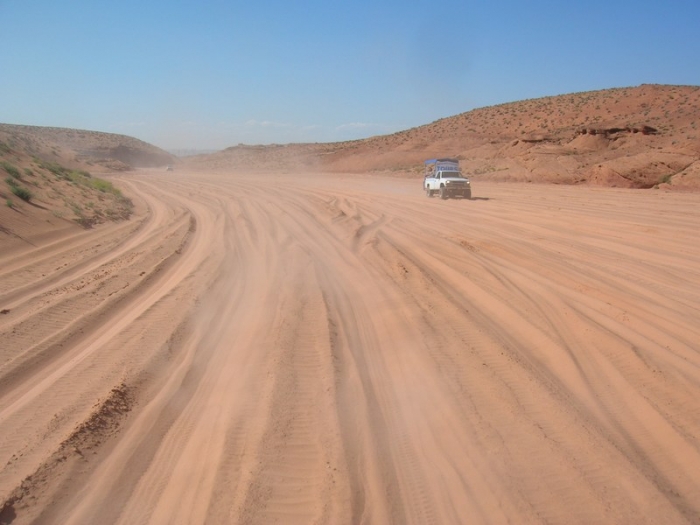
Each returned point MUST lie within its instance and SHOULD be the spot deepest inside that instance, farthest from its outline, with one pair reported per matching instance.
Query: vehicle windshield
(452, 174)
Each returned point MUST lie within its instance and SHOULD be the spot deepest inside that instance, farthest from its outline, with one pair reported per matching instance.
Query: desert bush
(55, 168)
(28, 172)
(105, 186)
(11, 181)
(22, 193)
(81, 177)
(75, 177)
(78, 176)
(9, 203)
(12, 170)
(85, 179)
(126, 201)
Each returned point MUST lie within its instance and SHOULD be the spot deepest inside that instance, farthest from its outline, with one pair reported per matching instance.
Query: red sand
(341, 349)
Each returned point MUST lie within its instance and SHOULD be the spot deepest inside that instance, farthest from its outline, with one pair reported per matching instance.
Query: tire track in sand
(415, 361)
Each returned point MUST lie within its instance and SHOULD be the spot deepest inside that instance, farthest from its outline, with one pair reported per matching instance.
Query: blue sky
(210, 74)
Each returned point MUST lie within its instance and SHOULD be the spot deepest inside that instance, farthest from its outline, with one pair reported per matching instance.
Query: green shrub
(85, 179)
(9, 168)
(9, 203)
(55, 168)
(105, 186)
(11, 181)
(22, 193)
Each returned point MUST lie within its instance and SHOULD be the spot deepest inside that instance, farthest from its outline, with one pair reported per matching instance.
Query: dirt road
(342, 349)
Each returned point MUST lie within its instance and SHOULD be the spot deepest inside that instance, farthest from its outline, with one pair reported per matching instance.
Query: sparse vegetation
(22, 193)
(561, 137)
(11, 169)
(80, 177)
(53, 167)
(83, 178)
(79, 196)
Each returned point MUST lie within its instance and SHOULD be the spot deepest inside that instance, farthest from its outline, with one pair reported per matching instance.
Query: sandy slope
(331, 349)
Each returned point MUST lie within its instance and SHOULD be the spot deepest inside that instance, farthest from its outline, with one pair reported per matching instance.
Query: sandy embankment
(331, 349)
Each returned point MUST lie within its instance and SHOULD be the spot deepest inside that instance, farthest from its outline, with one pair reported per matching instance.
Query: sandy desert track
(341, 349)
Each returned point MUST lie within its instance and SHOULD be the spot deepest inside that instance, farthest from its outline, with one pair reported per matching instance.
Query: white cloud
(266, 124)
(127, 125)
(358, 125)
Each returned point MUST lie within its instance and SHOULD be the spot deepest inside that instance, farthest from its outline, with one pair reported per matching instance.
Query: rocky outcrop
(644, 130)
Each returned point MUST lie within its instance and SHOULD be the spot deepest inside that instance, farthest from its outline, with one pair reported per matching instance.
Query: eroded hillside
(43, 194)
(94, 148)
(638, 137)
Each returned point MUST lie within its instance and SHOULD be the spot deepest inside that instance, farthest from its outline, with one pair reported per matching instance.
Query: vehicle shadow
(479, 198)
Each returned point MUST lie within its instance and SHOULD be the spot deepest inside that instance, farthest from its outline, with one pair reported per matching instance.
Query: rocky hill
(638, 137)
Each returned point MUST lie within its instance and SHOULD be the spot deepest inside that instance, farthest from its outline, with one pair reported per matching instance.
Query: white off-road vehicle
(444, 177)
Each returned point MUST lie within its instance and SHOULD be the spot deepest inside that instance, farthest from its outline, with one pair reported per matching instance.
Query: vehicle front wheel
(443, 193)
(468, 194)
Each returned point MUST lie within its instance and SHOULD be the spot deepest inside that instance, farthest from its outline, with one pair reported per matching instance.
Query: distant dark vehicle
(169, 168)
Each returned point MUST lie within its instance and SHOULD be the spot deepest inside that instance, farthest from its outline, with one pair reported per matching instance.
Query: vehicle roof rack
(433, 161)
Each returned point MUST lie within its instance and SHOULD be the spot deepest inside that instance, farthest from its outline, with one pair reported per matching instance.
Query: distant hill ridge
(636, 137)
(109, 150)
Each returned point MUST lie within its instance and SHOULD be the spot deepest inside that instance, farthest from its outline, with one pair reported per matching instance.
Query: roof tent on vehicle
(435, 161)
(432, 166)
